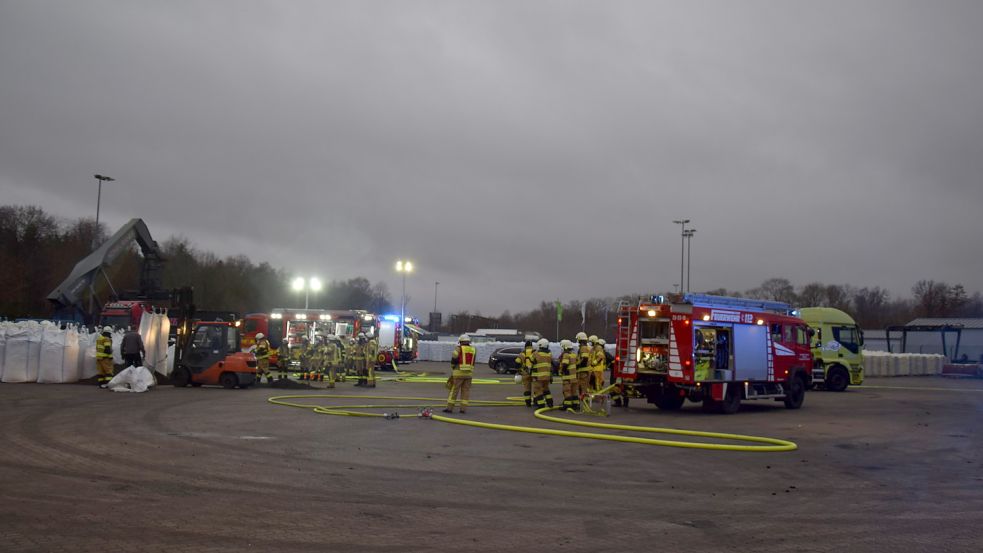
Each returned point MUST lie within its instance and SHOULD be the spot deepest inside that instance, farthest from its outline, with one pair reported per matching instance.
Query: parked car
(502, 360)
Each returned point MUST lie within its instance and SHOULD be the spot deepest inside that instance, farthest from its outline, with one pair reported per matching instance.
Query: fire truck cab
(712, 350)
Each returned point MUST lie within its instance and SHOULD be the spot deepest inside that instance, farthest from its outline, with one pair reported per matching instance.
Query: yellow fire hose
(771, 444)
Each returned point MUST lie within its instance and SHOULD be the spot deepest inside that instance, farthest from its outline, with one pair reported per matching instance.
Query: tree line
(38, 251)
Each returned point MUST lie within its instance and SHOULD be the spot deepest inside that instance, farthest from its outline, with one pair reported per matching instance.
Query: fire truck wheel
(837, 379)
(228, 380)
(181, 377)
(796, 392)
(732, 400)
(667, 399)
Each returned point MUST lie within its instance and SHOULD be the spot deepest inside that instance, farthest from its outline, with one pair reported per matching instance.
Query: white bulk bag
(117, 338)
(87, 355)
(51, 356)
(16, 352)
(3, 346)
(70, 368)
(34, 333)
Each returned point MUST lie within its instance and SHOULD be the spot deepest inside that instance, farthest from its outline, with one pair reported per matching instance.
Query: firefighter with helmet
(525, 361)
(366, 377)
(583, 363)
(332, 356)
(462, 368)
(317, 361)
(262, 353)
(104, 356)
(598, 362)
(541, 368)
(568, 376)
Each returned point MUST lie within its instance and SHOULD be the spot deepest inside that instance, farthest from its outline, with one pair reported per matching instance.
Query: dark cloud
(517, 151)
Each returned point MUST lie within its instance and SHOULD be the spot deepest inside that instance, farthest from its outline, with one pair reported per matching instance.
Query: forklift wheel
(181, 377)
(228, 380)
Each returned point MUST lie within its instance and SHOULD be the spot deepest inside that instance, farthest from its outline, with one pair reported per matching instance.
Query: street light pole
(689, 255)
(682, 249)
(435, 283)
(100, 178)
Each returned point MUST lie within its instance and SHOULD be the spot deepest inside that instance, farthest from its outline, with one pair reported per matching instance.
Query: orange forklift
(211, 355)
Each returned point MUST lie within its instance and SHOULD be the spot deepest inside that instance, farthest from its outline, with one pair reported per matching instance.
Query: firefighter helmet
(592, 339)
(566, 344)
(581, 336)
(601, 341)
(464, 339)
(543, 343)
(107, 329)
(260, 335)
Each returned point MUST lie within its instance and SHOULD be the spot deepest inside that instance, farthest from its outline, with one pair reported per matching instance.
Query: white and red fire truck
(291, 325)
(712, 349)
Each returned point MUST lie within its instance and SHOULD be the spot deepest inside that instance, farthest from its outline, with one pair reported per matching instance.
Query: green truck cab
(837, 347)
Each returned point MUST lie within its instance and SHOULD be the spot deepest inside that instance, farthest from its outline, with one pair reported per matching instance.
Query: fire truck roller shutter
(750, 352)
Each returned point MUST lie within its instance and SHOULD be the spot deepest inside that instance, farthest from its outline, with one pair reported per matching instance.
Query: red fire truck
(712, 349)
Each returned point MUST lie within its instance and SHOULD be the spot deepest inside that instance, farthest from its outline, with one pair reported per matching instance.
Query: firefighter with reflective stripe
(598, 362)
(104, 356)
(348, 357)
(262, 353)
(525, 360)
(315, 352)
(541, 368)
(568, 375)
(372, 354)
(331, 358)
(583, 363)
(366, 373)
(462, 367)
(305, 356)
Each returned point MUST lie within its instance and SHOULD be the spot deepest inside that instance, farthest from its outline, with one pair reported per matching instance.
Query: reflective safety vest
(263, 349)
(542, 364)
(463, 360)
(331, 353)
(104, 347)
(583, 358)
(568, 365)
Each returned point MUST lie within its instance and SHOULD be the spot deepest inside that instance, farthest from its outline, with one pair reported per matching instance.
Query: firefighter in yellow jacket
(104, 356)
(525, 361)
(462, 368)
(332, 357)
(598, 362)
(262, 353)
(568, 375)
(583, 363)
(541, 368)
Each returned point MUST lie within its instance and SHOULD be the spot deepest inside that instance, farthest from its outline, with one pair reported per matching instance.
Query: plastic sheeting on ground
(132, 379)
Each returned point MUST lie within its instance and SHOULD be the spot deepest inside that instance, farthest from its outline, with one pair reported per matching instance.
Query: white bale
(52, 355)
(16, 353)
(34, 337)
(70, 367)
(904, 365)
(3, 346)
(117, 338)
(87, 355)
(170, 360)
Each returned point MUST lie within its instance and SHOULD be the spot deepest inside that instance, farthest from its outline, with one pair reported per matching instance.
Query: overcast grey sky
(515, 151)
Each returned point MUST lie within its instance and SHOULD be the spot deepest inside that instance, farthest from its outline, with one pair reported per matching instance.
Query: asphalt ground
(894, 466)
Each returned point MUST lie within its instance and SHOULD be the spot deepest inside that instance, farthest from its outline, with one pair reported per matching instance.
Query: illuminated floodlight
(298, 284)
(315, 284)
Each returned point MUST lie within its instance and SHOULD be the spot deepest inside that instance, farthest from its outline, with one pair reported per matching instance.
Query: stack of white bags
(45, 353)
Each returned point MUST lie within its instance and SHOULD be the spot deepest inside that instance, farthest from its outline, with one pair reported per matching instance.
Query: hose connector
(391, 416)
(426, 413)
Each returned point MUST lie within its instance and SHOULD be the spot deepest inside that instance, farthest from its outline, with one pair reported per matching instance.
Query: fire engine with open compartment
(712, 350)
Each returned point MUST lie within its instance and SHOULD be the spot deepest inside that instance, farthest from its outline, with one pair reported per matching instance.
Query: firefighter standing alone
(104, 357)
(263, 358)
(462, 368)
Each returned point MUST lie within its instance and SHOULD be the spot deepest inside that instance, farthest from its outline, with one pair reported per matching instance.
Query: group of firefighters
(326, 355)
(581, 366)
(581, 370)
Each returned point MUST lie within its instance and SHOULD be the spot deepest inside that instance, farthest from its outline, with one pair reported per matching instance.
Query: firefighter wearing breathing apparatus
(568, 375)
(542, 365)
(525, 361)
